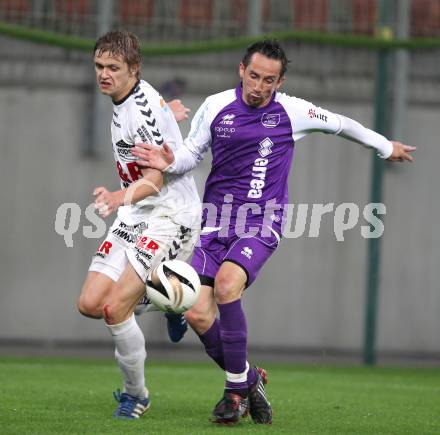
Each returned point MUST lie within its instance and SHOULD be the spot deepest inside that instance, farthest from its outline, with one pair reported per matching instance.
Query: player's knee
(198, 319)
(89, 307)
(226, 289)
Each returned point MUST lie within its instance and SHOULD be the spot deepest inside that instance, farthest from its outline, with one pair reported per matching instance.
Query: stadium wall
(311, 293)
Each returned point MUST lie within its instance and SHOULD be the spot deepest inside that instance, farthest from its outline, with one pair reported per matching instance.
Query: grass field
(70, 396)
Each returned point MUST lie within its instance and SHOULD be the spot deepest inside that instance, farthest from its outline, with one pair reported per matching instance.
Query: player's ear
(241, 69)
(134, 70)
(280, 82)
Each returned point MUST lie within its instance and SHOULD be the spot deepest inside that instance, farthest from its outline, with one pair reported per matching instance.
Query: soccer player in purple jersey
(251, 131)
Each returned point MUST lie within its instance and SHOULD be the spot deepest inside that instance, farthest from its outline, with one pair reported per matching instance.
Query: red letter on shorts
(153, 246)
(105, 247)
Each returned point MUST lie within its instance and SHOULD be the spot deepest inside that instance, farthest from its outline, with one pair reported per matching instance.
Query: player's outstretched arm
(179, 110)
(153, 156)
(401, 152)
(393, 151)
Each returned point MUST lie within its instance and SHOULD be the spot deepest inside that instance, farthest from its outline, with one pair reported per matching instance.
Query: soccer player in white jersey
(251, 131)
(158, 216)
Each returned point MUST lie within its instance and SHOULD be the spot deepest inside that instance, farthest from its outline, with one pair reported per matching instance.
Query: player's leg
(159, 240)
(129, 342)
(105, 286)
(107, 265)
(181, 248)
(230, 282)
(123, 297)
(202, 319)
(177, 324)
(94, 292)
(248, 255)
(202, 316)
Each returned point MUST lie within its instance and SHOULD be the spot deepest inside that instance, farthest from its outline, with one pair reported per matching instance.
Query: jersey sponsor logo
(124, 150)
(145, 254)
(124, 235)
(125, 154)
(138, 228)
(146, 248)
(148, 244)
(151, 122)
(227, 119)
(247, 252)
(270, 120)
(122, 144)
(265, 147)
(144, 134)
(224, 131)
(258, 178)
(141, 260)
(134, 173)
(313, 114)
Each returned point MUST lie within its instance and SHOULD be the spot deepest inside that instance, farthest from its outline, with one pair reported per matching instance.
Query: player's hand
(180, 112)
(153, 156)
(106, 202)
(401, 152)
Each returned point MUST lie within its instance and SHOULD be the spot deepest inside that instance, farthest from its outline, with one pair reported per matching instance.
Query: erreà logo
(247, 252)
(265, 147)
(228, 119)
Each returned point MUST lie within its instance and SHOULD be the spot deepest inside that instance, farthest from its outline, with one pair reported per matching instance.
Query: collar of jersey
(239, 95)
(118, 103)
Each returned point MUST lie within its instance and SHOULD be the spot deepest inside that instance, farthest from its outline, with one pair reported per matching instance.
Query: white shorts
(144, 245)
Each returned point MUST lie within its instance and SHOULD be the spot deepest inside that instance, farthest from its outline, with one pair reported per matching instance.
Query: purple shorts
(250, 253)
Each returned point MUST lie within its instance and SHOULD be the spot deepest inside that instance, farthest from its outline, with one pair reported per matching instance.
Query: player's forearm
(356, 132)
(149, 185)
(184, 161)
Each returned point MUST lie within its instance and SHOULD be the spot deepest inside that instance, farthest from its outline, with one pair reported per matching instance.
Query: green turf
(66, 396)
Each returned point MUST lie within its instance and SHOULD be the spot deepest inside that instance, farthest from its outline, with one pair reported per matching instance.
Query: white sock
(130, 354)
(237, 377)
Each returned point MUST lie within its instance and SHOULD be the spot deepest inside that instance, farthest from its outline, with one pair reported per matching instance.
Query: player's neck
(126, 92)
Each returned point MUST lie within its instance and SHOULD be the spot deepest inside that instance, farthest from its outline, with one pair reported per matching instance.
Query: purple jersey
(252, 152)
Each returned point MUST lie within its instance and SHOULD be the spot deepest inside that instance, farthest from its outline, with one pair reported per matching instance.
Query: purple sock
(213, 345)
(251, 376)
(233, 335)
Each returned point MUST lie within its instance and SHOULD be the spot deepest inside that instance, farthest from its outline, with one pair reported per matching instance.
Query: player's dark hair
(121, 43)
(270, 48)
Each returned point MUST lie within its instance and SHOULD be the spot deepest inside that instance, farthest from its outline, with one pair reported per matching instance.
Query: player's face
(113, 75)
(261, 78)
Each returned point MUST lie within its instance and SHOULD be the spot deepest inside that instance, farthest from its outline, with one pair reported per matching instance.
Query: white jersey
(143, 116)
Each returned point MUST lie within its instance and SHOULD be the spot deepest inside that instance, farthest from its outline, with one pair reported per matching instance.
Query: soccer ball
(174, 286)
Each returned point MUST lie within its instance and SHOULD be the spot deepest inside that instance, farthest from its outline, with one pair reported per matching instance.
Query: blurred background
(317, 299)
